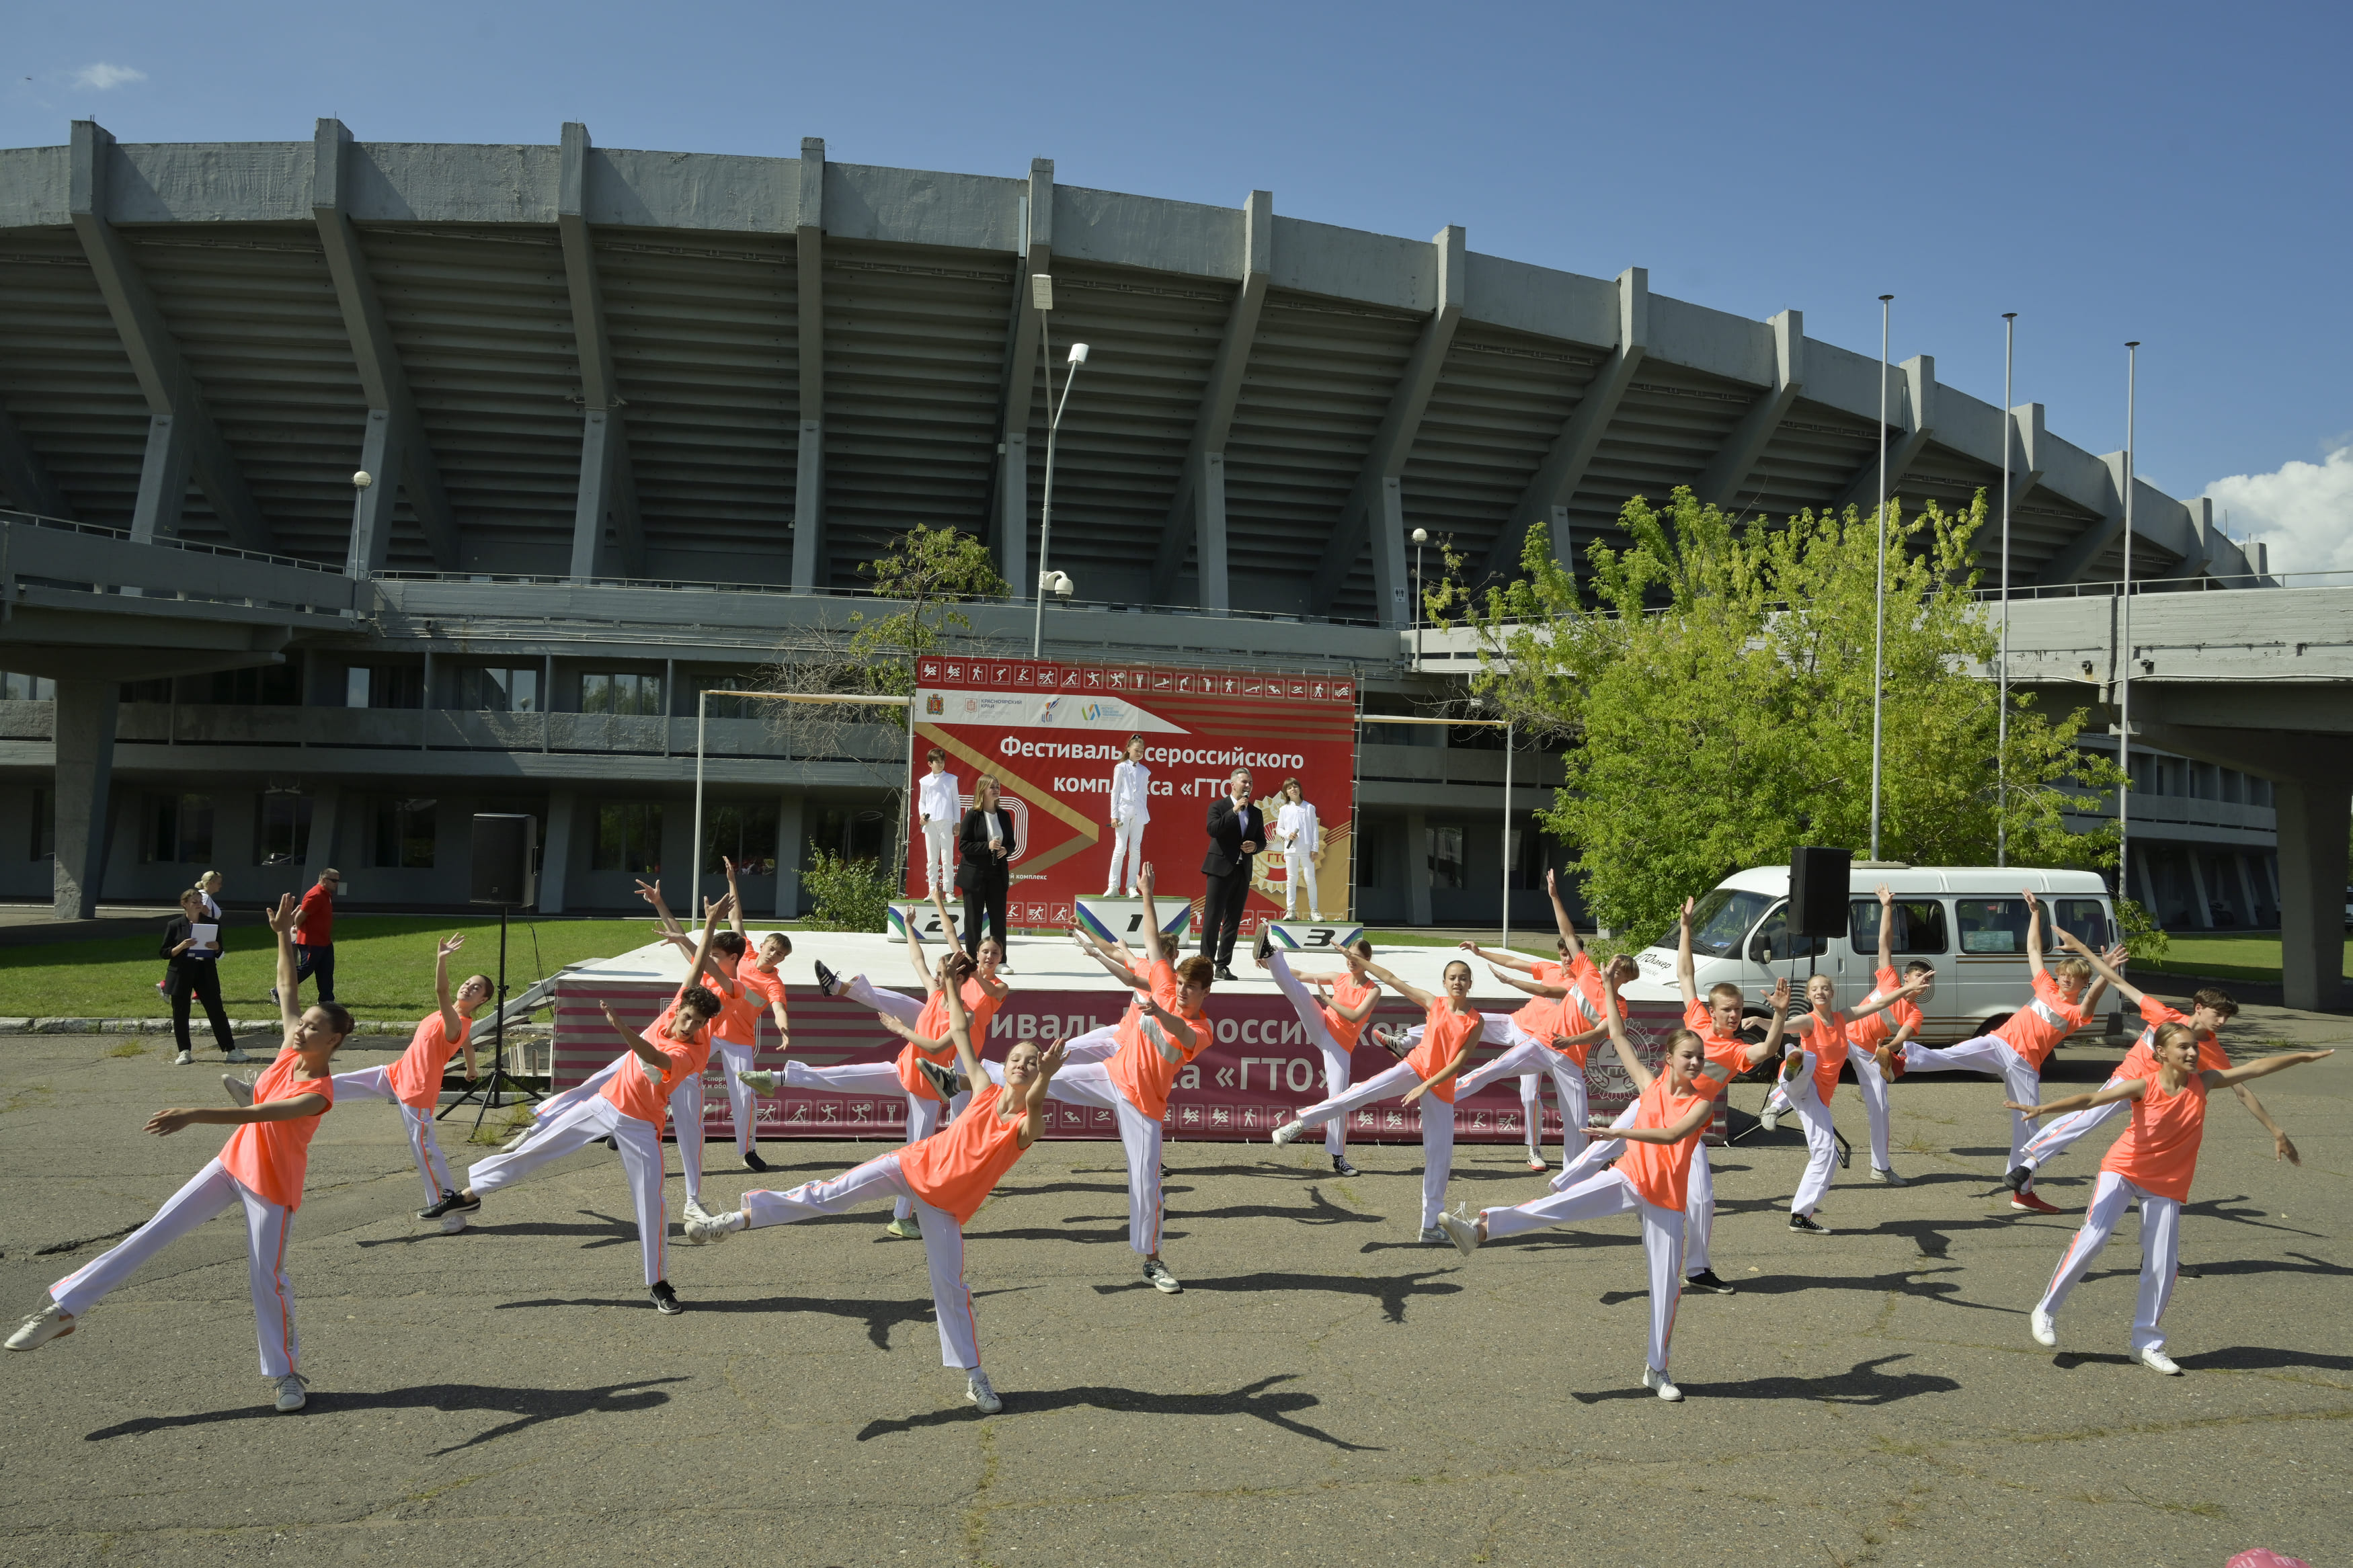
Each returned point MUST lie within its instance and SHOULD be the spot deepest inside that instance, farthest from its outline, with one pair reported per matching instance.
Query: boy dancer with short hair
(261, 1167)
(744, 980)
(1554, 1032)
(939, 806)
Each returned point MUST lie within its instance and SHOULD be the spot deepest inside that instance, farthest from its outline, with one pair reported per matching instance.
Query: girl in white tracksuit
(1299, 835)
(1131, 810)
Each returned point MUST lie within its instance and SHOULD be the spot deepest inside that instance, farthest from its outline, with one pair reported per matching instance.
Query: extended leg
(575, 1128)
(1599, 1195)
(204, 1194)
(367, 1083)
(2111, 1196)
(876, 1180)
(898, 1003)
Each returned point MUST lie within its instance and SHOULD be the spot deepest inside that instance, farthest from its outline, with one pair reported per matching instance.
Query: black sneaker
(2185, 1271)
(666, 1299)
(752, 1161)
(1226, 973)
(943, 1082)
(1803, 1223)
(610, 1143)
(1707, 1280)
(2018, 1178)
(1264, 947)
(452, 1203)
(1340, 1166)
(827, 979)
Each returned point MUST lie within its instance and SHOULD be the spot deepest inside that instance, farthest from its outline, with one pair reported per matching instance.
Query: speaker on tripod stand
(504, 874)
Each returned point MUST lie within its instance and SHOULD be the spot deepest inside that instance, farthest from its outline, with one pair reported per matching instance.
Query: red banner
(1051, 734)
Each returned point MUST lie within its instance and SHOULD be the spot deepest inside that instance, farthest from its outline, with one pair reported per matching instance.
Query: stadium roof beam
(2030, 436)
(1719, 483)
(808, 276)
(609, 490)
(1555, 480)
(181, 439)
(1198, 511)
(1020, 382)
(395, 445)
(1915, 395)
(1374, 512)
(25, 477)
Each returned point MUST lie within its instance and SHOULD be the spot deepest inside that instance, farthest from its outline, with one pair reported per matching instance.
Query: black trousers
(319, 961)
(1221, 914)
(200, 981)
(984, 905)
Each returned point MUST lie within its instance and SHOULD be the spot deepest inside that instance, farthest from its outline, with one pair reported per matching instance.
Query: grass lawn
(2225, 955)
(384, 965)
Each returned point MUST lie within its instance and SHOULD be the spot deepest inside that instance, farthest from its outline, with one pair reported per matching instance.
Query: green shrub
(846, 895)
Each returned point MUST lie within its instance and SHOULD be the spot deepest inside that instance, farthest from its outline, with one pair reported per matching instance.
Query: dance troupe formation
(971, 1120)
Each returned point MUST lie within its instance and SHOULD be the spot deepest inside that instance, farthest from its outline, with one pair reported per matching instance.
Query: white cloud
(2303, 513)
(102, 76)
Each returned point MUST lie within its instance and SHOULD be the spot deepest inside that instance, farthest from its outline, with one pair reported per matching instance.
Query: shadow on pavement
(1863, 1383)
(1908, 1283)
(1391, 1293)
(529, 1406)
(1251, 1400)
(1320, 1210)
(880, 1317)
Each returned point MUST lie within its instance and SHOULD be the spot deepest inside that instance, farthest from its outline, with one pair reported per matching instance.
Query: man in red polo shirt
(314, 935)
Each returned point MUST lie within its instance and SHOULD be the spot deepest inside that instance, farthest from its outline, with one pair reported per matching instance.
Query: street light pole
(2124, 638)
(1421, 538)
(1879, 596)
(2001, 732)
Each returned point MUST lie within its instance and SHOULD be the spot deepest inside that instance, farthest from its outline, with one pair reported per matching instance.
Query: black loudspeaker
(1818, 890)
(503, 846)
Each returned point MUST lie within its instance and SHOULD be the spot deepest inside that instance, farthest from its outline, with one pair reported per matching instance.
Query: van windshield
(1720, 917)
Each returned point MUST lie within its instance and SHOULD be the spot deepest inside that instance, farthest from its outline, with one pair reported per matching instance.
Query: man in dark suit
(1237, 832)
(984, 872)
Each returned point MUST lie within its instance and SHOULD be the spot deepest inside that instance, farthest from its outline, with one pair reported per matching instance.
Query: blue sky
(2164, 171)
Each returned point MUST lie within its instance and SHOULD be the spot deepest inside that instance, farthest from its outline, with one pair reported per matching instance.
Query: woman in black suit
(985, 849)
(195, 976)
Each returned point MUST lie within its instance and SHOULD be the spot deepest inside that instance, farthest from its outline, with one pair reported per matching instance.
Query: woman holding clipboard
(192, 947)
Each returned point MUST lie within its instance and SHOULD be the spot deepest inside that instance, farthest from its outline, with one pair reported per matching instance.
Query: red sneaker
(2029, 1202)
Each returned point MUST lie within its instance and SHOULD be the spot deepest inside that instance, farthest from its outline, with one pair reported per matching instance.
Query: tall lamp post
(1041, 294)
(2001, 723)
(2124, 638)
(1879, 594)
(1421, 537)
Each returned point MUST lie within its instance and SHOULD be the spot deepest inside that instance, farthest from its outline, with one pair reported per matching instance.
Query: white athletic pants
(939, 856)
(1597, 1198)
(1127, 851)
(2160, 1252)
(1991, 1055)
(209, 1192)
(1337, 1064)
(898, 1003)
(1090, 1084)
(877, 1179)
(1699, 1189)
(872, 1078)
(376, 1083)
(1299, 866)
(641, 1158)
(1872, 1085)
(2056, 1136)
(1821, 1144)
(1437, 1128)
(1530, 1056)
(743, 1105)
(685, 1115)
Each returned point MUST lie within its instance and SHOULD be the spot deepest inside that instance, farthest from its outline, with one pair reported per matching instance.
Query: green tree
(1711, 687)
(928, 572)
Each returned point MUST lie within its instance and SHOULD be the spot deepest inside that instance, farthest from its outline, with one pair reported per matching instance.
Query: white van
(1967, 921)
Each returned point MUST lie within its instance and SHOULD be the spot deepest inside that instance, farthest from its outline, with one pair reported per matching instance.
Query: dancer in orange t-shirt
(1811, 1075)
(2150, 1165)
(1334, 1024)
(1449, 1025)
(1650, 1179)
(260, 1167)
(743, 982)
(944, 1178)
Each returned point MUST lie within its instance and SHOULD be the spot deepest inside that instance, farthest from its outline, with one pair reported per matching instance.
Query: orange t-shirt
(932, 1023)
(739, 1016)
(1541, 1018)
(1445, 1033)
(956, 1168)
(1662, 1172)
(698, 1044)
(634, 1091)
(765, 985)
(2159, 1152)
(1349, 992)
(1825, 1035)
(1144, 1065)
(271, 1157)
(2035, 1030)
(1727, 1055)
(1865, 1034)
(2141, 1060)
(416, 1076)
(1584, 998)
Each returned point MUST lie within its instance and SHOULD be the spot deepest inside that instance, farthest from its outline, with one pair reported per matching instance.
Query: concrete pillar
(2202, 912)
(2312, 867)
(788, 856)
(680, 863)
(83, 717)
(555, 859)
(1417, 868)
(2247, 888)
(319, 852)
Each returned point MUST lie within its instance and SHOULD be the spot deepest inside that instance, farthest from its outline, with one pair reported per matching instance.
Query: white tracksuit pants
(1993, 1056)
(376, 1083)
(1872, 1085)
(939, 856)
(2055, 1137)
(872, 1181)
(1699, 1189)
(1531, 1057)
(641, 1158)
(1822, 1142)
(1338, 1067)
(1126, 855)
(685, 1115)
(876, 1078)
(1598, 1196)
(1299, 867)
(2160, 1252)
(1090, 1084)
(743, 1105)
(1437, 1128)
(207, 1192)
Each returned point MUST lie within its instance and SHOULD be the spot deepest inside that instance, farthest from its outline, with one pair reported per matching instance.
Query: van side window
(1773, 944)
(2085, 918)
(1991, 925)
(1919, 927)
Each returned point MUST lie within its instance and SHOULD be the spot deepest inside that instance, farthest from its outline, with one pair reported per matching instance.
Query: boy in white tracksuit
(939, 806)
(1131, 809)
(1300, 835)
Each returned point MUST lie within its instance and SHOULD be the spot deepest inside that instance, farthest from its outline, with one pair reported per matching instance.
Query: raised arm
(451, 1022)
(281, 922)
(1533, 987)
(639, 1047)
(1413, 994)
(947, 916)
(2106, 1094)
(1155, 946)
(1360, 1012)
(2217, 1077)
(164, 1123)
(1886, 926)
(1685, 975)
(1560, 919)
(960, 1033)
(1508, 960)
(915, 951)
(1774, 1030)
(2283, 1146)
(1628, 1057)
(724, 907)
(1901, 994)
(2033, 932)
(734, 920)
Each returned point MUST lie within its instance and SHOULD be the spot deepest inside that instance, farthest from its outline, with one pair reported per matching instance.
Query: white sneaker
(451, 1224)
(2154, 1358)
(2044, 1327)
(291, 1394)
(977, 1389)
(1771, 1120)
(1289, 1132)
(1157, 1275)
(1460, 1229)
(184, 1060)
(711, 1228)
(51, 1323)
(1658, 1383)
(1888, 1178)
(240, 1090)
(761, 1081)
(515, 1143)
(235, 1054)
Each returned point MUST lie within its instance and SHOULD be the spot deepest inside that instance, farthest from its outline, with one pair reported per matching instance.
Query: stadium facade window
(44, 825)
(16, 688)
(1444, 852)
(269, 686)
(496, 689)
(733, 707)
(281, 828)
(384, 686)
(179, 829)
(848, 832)
(1527, 859)
(744, 833)
(401, 834)
(628, 837)
(624, 692)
